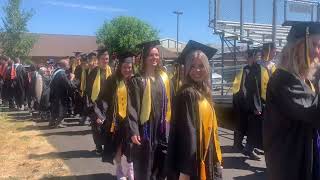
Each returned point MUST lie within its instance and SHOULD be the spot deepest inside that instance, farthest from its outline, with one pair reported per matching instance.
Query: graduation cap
(126, 57)
(50, 61)
(91, 55)
(193, 46)
(253, 51)
(77, 53)
(304, 30)
(84, 57)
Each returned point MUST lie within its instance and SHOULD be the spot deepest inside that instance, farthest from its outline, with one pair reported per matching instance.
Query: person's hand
(99, 121)
(257, 113)
(72, 76)
(136, 140)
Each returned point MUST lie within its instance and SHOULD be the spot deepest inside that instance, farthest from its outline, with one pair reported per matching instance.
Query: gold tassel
(112, 127)
(203, 175)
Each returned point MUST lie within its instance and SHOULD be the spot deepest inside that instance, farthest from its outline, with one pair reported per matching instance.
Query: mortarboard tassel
(307, 47)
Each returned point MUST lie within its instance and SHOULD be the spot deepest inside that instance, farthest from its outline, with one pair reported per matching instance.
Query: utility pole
(178, 13)
(274, 21)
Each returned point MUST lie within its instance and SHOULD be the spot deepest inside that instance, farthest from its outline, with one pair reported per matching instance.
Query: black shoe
(238, 146)
(99, 150)
(251, 155)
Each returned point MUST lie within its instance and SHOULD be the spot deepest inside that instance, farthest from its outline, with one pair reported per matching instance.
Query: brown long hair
(205, 86)
(145, 55)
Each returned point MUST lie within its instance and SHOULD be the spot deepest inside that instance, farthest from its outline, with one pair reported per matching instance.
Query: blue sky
(84, 17)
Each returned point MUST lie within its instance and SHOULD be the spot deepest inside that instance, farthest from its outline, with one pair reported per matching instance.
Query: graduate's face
(104, 60)
(197, 72)
(153, 58)
(126, 70)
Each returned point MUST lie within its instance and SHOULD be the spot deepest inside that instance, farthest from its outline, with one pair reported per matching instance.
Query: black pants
(255, 131)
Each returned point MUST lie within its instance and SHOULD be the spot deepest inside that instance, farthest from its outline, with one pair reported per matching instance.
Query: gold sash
(208, 124)
(122, 96)
(96, 86)
(264, 80)
(146, 103)
(108, 71)
(83, 81)
(166, 82)
(237, 82)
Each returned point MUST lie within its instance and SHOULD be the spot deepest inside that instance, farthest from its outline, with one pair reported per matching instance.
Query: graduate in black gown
(194, 148)
(60, 87)
(292, 117)
(111, 109)
(255, 85)
(20, 83)
(79, 81)
(95, 80)
(149, 114)
(239, 100)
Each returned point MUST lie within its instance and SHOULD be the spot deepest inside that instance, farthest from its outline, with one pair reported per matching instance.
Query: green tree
(123, 33)
(15, 41)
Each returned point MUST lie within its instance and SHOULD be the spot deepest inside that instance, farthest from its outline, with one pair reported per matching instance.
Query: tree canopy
(123, 33)
(14, 38)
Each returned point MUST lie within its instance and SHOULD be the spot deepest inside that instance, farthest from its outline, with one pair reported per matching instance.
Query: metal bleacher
(253, 33)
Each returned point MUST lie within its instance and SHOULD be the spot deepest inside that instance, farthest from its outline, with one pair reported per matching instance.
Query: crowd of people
(164, 126)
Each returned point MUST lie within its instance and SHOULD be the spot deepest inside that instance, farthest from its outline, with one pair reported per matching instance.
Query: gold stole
(237, 82)
(207, 125)
(166, 82)
(108, 71)
(146, 102)
(74, 65)
(96, 86)
(264, 80)
(122, 96)
(83, 81)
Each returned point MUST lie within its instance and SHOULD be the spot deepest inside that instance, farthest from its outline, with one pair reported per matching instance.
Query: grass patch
(16, 147)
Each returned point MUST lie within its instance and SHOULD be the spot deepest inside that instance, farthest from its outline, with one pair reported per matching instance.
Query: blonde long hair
(293, 59)
(205, 86)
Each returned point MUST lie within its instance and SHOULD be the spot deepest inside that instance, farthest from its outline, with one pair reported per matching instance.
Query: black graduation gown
(90, 77)
(60, 86)
(106, 109)
(183, 156)
(148, 158)
(292, 112)
(21, 82)
(97, 130)
(240, 104)
(254, 103)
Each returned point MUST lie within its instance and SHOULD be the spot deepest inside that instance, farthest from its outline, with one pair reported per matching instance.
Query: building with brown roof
(57, 46)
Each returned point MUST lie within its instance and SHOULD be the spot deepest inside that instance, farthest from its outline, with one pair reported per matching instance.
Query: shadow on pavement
(255, 176)
(83, 177)
(239, 163)
(65, 155)
(68, 133)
